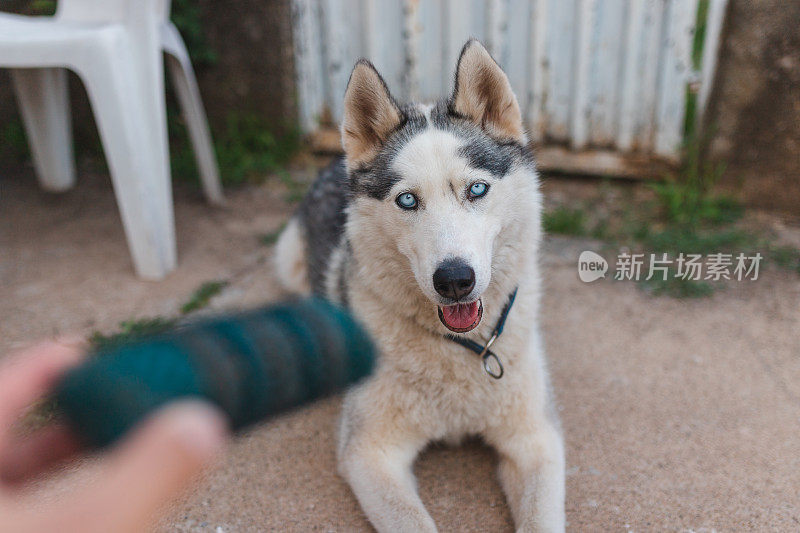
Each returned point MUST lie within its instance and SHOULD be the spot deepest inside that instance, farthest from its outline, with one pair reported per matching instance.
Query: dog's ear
(484, 95)
(370, 114)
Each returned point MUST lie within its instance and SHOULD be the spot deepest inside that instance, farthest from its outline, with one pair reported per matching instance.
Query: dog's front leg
(381, 477)
(532, 474)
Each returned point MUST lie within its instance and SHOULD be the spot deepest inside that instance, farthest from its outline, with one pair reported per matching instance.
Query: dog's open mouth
(461, 317)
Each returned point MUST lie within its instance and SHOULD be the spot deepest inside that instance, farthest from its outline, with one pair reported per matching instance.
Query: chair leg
(43, 99)
(131, 127)
(180, 69)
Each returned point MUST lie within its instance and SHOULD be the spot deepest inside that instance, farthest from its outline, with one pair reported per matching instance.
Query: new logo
(591, 266)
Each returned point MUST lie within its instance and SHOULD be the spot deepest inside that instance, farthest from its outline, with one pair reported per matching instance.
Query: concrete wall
(755, 106)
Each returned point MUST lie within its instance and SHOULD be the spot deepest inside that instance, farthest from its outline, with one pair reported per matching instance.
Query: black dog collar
(484, 351)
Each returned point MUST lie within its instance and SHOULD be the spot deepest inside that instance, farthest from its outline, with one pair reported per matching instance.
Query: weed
(14, 144)
(565, 221)
(268, 239)
(688, 199)
(672, 239)
(601, 230)
(33, 7)
(686, 215)
(131, 330)
(202, 296)
(246, 149)
(786, 257)
(678, 287)
(186, 17)
(44, 411)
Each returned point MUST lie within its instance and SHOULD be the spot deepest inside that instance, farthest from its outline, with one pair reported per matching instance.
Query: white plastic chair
(115, 47)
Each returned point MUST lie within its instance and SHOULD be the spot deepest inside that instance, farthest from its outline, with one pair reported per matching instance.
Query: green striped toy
(252, 365)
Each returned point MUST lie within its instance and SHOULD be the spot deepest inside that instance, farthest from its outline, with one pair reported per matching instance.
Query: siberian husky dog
(428, 231)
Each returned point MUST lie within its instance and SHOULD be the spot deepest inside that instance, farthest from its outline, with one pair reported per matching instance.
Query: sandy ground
(678, 415)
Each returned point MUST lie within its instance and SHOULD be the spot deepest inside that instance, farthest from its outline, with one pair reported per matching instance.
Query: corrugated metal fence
(589, 74)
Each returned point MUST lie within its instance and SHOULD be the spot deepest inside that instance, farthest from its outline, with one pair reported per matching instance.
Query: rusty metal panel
(605, 75)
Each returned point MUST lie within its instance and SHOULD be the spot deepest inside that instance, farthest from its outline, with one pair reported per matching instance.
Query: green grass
(134, 329)
(247, 149)
(678, 240)
(686, 215)
(565, 221)
(678, 287)
(688, 198)
(786, 257)
(685, 204)
(13, 142)
(30, 7)
(131, 330)
(694, 217)
(202, 296)
(268, 239)
(682, 239)
(600, 231)
(185, 14)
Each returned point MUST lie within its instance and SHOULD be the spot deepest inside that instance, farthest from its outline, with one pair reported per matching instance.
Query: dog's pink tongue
(461, 316)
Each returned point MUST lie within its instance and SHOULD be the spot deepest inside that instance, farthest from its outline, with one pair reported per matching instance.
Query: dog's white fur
(291, 268)
(427, 388)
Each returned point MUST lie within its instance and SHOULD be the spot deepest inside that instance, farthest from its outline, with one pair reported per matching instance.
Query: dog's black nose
(454, 279)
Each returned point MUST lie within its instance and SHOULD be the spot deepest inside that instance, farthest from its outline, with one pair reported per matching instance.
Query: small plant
(247, 149)
(786, 257)
(565, 221)
(268, 239)
(689, 216)
(686, 204)
(14, 145)
(674, 239)
(131, 330)
(32, 7)
(678, 287)
(686, 215)
(186, 17)
(202, 296)
(688, 198)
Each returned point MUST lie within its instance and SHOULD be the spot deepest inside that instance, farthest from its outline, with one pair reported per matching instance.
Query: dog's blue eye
(478, 189)
(407, 201)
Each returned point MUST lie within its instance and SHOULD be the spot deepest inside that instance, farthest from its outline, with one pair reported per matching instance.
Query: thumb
(152, 466)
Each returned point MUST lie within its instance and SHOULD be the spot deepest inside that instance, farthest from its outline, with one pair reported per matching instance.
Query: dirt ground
(679, 415)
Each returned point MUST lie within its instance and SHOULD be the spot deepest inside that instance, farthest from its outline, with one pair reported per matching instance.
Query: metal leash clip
(486, 354)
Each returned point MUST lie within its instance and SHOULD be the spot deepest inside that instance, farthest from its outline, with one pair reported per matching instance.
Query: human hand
(153, 464)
